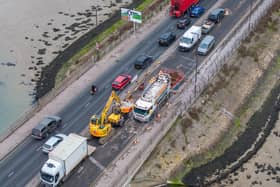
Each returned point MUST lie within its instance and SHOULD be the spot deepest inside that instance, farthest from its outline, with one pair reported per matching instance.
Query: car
(206, 45)
(46, 126)
(216, 15)
(53, 142)
(207, 26)
(166, 39)
(197, 11)
(143, 61)
(183, 22)
(121, 81)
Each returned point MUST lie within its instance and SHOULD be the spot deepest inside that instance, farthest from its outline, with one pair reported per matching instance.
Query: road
(25, 162)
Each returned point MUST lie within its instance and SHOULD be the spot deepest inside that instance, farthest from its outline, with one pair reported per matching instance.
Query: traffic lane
(102, 158)
(81, 99)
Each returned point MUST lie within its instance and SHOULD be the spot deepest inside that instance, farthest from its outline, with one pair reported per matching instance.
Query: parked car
(197, 11)
(183, 22)
(46, 126)
(53, 142)
(216, 15)
(143, 61)
(206, 45)
(121, 81)
(166, 39)
(207, 26)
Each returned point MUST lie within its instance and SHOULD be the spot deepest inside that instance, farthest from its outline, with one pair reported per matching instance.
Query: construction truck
(154, 95)
(102, 126)
(179, 7)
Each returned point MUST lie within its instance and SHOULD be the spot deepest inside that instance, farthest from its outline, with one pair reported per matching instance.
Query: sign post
(131, 15)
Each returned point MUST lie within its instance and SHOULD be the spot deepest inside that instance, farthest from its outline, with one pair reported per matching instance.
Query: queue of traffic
(144, 109)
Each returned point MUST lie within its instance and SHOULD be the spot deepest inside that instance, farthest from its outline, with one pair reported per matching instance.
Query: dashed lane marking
(38, 148)
(98, 164)
(11, 174)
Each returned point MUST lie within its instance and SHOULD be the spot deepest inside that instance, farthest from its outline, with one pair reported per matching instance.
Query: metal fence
(188, 93)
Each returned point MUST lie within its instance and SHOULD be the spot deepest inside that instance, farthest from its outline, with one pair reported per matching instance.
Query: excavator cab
(97, 129)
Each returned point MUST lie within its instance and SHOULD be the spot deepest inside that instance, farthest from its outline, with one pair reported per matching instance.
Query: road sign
(131, 15)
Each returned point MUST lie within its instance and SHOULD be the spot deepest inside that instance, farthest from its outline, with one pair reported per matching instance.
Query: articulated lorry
(152, 97)
(179, 7)
(63, 159)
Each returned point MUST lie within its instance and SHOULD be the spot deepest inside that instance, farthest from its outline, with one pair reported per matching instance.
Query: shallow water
(32, 33)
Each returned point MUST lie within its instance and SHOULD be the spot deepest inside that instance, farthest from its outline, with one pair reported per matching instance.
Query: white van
(190, 38)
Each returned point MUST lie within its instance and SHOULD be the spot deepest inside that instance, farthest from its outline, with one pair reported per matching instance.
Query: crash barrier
(86, 63)
(133, 156)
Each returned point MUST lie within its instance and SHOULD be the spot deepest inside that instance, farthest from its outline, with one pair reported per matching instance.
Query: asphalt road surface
(25, 162)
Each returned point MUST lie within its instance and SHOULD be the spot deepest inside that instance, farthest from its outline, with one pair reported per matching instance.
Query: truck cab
(190, 38)
(51, 173)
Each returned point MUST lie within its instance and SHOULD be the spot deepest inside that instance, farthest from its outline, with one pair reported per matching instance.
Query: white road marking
(98, 164)
(80, 169)
(11, 174)
(38, 148)
(87, 105)
(64, 125)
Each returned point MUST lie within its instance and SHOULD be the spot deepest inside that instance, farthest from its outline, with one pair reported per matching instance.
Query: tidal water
(32, 33)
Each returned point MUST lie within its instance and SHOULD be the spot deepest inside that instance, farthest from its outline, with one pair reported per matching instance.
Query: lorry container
(63, 159)
(179, 7)
(190, 38)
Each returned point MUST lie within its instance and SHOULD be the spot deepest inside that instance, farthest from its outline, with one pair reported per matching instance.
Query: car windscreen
(36, 132)
(203, 46)
(116, 83)
(140, 111)
(47, 146)
(186, 40)
(47, 177)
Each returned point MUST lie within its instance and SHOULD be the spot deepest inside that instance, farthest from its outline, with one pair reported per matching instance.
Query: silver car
(53, 142)
(206, 45)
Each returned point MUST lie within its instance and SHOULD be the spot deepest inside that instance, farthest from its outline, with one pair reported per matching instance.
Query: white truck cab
(63, 159)
(190, 38)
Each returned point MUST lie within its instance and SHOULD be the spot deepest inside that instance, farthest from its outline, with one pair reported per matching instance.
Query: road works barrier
(131, 159)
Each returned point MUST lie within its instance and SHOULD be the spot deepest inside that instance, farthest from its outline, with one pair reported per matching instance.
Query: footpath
(84, 82)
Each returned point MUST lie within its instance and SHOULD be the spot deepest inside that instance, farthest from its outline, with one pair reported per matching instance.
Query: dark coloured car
(183, 22)
(197, 11)
(46, 126)
(167, 38)
(143, 61)
(217, 15)
(121, 81)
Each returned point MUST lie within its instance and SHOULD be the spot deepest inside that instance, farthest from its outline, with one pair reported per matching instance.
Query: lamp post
(96, 15)
(195, 77)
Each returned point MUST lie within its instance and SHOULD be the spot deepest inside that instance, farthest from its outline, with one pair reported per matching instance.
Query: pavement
(84, 82)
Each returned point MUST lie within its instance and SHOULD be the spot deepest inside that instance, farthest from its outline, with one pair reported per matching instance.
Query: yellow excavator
(102, 126)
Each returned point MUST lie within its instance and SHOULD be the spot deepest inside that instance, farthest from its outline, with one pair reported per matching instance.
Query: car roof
(207, 39)
(141, 58)
(165, 35)
(52, 140)
(217, 11)
(44, 122)
(120, 78)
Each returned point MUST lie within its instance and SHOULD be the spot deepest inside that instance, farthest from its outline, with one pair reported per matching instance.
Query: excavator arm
(113, 97)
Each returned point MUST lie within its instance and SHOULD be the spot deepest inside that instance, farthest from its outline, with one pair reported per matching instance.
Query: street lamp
(96, 15)
(195, 77)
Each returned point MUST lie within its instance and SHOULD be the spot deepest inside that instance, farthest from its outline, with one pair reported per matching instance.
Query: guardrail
(184, 98)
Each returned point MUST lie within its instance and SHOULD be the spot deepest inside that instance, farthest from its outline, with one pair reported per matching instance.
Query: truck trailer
(179, 7)
(63, 159)
(152, 97)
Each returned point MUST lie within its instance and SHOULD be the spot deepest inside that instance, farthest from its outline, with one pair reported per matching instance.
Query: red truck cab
(179, 7)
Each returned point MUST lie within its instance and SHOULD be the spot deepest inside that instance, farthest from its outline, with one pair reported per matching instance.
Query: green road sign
(131, 15)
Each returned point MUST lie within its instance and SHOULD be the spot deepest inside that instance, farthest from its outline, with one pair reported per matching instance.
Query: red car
(121, 81)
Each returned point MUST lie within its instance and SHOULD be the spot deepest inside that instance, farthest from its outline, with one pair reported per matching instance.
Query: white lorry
(63, 159)
(152, 97)
(190, 38)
